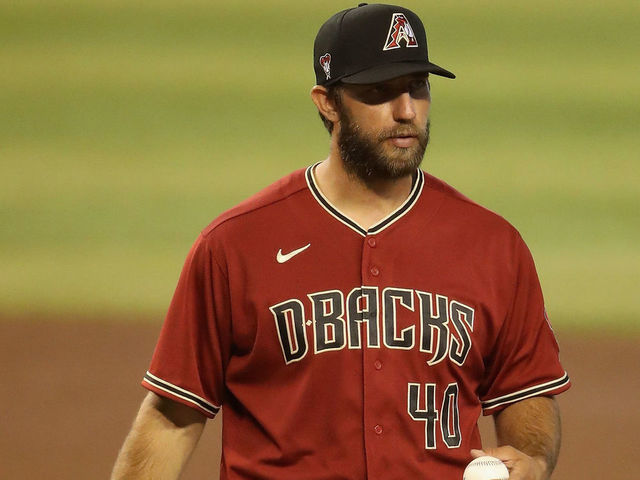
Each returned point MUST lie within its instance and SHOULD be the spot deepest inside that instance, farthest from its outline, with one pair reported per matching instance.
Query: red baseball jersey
(344, 353)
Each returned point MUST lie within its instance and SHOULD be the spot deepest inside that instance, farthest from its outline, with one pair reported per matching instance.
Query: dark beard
(363, 156)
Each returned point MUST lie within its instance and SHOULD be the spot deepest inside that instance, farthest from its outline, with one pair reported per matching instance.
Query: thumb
(478, 453)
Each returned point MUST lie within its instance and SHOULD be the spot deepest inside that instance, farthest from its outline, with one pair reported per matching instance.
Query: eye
(419, 84)
(419, 88)
(378, 89)
(373, 94)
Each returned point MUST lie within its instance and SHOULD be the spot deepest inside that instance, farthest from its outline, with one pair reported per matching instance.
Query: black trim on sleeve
(181, 393)
(527, 393)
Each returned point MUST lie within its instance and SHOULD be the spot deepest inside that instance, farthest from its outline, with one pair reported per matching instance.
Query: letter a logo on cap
(400, 30)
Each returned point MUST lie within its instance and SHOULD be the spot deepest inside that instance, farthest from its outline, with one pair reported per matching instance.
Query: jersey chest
(382, 326)
(316, 292)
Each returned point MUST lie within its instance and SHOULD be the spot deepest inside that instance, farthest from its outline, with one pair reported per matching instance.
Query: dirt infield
(69, 392)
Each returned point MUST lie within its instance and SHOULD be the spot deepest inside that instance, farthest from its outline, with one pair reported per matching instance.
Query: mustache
(405, 131)
(400, 133)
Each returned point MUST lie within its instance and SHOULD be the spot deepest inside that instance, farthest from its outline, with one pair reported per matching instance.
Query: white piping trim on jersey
(534, 391)
(323, 201)
(189, 396)
(413, 197)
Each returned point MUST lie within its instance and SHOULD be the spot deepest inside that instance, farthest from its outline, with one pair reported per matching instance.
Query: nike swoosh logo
(285, 257)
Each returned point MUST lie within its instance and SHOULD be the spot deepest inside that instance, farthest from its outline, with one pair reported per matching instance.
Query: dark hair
(334, 94)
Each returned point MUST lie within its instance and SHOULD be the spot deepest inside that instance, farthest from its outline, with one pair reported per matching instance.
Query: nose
(404, 108)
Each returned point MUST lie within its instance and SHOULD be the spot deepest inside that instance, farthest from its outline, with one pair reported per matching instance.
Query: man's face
(384, 127)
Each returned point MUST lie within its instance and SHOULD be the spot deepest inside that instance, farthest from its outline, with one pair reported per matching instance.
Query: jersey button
(378, 365)
(378, 429)
(372, 242)
(374, 271)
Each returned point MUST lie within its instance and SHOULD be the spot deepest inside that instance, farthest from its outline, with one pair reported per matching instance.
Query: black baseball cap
(370, 44)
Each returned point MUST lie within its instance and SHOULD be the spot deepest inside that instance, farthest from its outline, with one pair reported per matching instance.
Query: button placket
(369, 267)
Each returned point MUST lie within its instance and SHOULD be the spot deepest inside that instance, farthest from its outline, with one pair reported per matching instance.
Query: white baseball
(486, 468)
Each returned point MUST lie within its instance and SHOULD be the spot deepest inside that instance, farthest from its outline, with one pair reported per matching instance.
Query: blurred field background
(126, 127)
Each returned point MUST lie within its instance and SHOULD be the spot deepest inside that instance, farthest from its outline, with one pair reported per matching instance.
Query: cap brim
(388, 71)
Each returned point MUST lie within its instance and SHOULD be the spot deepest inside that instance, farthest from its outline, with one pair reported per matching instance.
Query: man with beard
(355, 318)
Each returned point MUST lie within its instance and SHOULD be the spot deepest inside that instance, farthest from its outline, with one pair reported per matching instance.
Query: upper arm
(161, 440)
(173, 413)
(524, 361)
(195, 337)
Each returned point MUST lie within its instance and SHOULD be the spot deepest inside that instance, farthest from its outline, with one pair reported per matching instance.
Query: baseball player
(354, 319)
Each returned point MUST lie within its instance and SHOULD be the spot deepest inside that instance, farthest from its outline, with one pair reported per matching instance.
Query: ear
(326, 106)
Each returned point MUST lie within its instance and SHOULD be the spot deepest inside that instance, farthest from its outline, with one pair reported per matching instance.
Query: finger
(508, 455)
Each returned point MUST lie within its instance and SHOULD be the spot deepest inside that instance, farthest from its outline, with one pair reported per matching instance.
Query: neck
(366, 203)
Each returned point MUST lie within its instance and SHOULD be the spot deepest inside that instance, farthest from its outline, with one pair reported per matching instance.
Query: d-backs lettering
(445, 325)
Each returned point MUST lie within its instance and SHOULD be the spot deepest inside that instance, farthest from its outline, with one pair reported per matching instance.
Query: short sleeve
(189, 359)
(525, 362)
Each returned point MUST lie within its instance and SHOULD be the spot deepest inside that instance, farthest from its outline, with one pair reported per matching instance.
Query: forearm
(533, 427)
(160, 442)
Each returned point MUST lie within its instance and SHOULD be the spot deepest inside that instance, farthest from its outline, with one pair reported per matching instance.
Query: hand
(520, 465)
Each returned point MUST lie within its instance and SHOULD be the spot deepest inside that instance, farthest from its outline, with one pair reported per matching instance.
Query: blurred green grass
(126, 127)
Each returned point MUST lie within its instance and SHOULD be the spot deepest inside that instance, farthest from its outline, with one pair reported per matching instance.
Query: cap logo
(325, 62)
(400, 30)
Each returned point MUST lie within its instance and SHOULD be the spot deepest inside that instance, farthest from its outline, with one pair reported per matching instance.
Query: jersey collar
(416, 190)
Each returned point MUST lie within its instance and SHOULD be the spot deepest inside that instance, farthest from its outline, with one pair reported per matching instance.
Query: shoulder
(459, 208)
(272, 200)
(477, 234)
